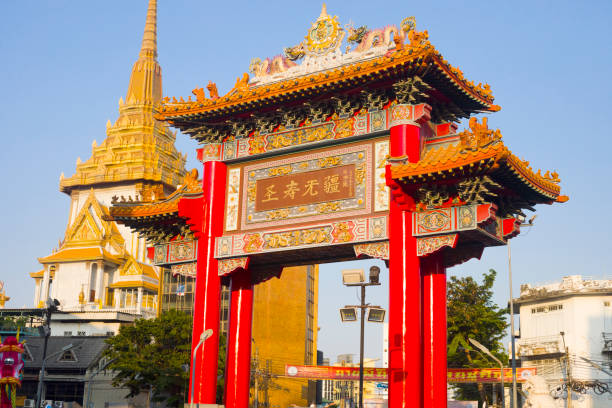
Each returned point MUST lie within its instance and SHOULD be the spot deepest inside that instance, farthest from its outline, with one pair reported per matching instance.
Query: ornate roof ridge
(480, 145)
(163, 205)
(282, 76)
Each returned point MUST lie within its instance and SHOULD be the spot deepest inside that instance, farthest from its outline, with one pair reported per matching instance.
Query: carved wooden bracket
(231, 265)
(429, 245)
(378, 250)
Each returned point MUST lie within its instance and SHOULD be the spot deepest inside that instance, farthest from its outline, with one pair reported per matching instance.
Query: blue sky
(65, 64)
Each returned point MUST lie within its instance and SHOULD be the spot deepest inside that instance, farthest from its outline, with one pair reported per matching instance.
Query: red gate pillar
(206, 217)
(405, 340)
(405, 329)
(238, 364)
(434, 331)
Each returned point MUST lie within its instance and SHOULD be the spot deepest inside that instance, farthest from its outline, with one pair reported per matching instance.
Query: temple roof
(80, 254)
(40, 274)
(158, 216)
(477, 152)
(137, 146)
(379, 58)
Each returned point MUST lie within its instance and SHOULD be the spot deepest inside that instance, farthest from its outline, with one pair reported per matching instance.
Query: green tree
(9, 323)
(473, 314)
(151, 355)
(221, 369)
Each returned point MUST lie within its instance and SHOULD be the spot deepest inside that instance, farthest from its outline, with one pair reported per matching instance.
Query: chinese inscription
(329, 184)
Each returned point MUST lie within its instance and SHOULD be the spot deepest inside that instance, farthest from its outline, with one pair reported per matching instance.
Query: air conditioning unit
(58, 404)
(29, 403)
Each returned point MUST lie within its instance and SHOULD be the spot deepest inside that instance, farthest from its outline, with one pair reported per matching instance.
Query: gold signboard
(335, 183)
(307, 188)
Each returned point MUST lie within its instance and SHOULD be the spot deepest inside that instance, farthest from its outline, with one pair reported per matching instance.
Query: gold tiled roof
(134, 284)
(478, 151)
(37, 275)
(160, 207)
(80, 254)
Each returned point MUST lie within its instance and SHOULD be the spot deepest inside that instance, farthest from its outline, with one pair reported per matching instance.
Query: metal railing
(534, 346)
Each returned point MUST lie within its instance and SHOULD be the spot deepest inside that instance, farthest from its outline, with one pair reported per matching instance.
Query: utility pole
(348, 278)
(268, 381)
(256, 375)
(568, 369)
(363, 308)
(52, 306)
(513, 400)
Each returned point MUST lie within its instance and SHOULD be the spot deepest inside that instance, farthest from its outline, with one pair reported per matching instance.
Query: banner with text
(454, 375)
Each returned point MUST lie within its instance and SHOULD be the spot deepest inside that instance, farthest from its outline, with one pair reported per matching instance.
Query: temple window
(129, 298)
(92, 282)
(110, 297)
(67, 356)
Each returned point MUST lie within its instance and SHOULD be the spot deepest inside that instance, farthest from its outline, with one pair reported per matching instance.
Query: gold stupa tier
(137, 146)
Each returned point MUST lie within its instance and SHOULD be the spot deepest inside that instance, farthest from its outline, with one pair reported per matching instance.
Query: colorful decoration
(227, 266)
(358, 230)
(184, 269)
(314, 185)
(378, 250)
(454, 375)
(11, 370)
(429, 245)
(173, 252)
(3, 297)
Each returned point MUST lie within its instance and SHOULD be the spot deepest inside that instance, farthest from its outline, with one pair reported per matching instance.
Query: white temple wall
(83, 328)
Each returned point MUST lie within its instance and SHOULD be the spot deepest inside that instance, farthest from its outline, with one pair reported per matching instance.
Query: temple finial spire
(149, 39)
(323, 11)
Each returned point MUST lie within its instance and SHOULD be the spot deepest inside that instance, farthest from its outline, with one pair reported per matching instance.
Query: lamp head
(376, 314)
(374, 274)
(348, 314)
(352, 276)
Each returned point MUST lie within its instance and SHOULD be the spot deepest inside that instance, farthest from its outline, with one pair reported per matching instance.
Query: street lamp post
(355, 277)
(512, 340)
(92, 375)
(45, 330)
(501, 367)
(205, 334)
(40, 393)
(513, 401)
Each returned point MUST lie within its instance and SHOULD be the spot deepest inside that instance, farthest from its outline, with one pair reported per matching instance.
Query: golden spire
(323, 12)
(137, 147)
(149, 39)
(146, 82)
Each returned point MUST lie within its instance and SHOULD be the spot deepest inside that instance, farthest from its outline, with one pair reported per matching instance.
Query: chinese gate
(323, 155)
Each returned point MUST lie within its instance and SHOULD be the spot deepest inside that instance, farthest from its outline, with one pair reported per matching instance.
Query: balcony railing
(537, 346)
(607, 342)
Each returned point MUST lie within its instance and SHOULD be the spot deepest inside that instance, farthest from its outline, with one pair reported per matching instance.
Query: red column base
(434, 331)
(238, 365)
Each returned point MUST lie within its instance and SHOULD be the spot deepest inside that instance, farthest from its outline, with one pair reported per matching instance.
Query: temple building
(100, 273)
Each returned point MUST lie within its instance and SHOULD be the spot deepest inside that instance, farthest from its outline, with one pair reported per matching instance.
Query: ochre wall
(279, 334)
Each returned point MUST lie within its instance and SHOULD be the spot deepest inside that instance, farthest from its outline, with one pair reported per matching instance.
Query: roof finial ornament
(149, 39)
(323, 12)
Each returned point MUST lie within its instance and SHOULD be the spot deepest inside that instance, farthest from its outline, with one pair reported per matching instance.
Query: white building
(100, 272)
(564, 327)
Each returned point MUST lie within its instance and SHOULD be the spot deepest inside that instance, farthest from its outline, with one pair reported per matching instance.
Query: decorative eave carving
(381, 54)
